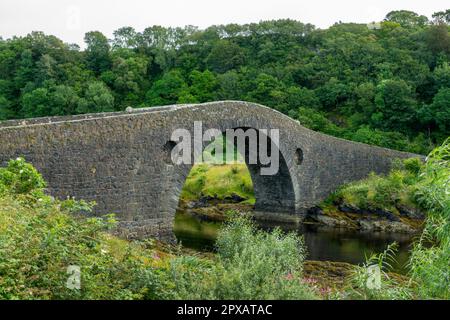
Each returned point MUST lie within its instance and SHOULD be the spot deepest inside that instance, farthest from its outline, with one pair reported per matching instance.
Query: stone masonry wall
(121, 159)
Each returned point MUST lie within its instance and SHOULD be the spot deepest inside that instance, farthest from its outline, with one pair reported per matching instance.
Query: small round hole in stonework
(167, 151)
(298, 156)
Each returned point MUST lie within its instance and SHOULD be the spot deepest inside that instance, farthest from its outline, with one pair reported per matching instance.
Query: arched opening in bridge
(213, 190)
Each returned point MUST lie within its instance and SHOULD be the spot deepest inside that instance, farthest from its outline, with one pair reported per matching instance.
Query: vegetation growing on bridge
(386, 84)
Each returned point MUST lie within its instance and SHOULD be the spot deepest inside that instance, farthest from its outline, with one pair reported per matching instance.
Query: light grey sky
(70, 19)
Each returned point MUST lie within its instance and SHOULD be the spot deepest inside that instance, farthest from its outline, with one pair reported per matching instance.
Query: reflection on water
(330, 244)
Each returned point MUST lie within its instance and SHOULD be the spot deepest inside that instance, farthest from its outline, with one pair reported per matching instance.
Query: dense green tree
(395, 105)
(5, 109)
(46, 69)
(229, 86)
(97, 98)
(224, 56)
(315, 120)
(365, 95)
(128, 77)
(97, 52)
(333, 94)
(24, 72)
(442, 17)
(64, 100)
(301, 97)
(36, 103)
(202, 85)
(438, 112)
(439, 39)
(167, 90)
(7, 60)
(125, 37)
(270, 90)
(407, 18)
(441, 77)
(394, 140)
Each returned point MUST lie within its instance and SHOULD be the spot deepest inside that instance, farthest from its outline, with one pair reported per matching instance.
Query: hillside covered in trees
(384, 83)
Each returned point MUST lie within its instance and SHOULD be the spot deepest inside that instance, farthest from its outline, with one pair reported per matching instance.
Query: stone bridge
(122, 160)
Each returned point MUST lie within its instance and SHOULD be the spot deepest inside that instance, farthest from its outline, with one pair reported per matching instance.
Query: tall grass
(426, 186)
(388, 288)
(429, 263)
(430, 259)
(250, 264)
(258, 264)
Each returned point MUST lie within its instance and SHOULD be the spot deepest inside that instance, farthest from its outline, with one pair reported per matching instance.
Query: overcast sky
(70, 19)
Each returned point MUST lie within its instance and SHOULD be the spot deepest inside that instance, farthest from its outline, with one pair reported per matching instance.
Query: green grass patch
(391, 192)
(219, 182)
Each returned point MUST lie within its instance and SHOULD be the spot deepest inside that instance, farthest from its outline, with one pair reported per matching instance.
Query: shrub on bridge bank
(39, 242)
(393, 193)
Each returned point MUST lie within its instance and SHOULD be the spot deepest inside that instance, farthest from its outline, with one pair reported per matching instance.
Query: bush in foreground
(40, 238)
(250, 264)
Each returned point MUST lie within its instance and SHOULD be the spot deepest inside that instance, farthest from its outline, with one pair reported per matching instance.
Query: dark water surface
(331, 244)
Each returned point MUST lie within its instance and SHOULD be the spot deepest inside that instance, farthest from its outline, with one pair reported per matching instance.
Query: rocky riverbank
(212, 209)
(403, 221)
(344, 216)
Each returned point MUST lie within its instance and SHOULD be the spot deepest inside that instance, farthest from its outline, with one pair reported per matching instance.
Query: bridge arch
(273, 193)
